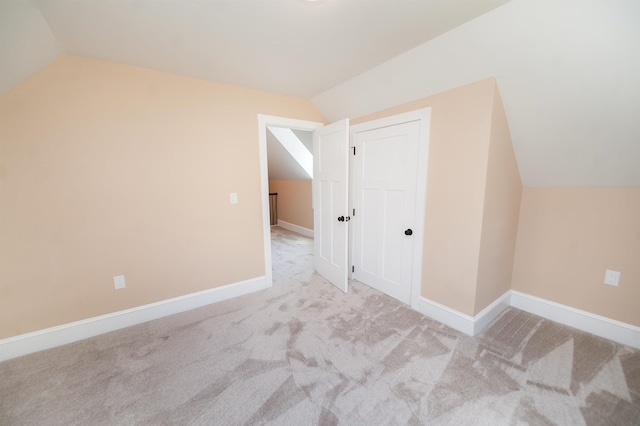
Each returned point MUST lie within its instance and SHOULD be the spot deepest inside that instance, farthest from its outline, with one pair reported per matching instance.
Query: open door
(330, 201)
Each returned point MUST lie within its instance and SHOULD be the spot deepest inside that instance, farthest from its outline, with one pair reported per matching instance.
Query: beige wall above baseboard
(294, 201)
(113, 170)
(567, 237)
(503, 192)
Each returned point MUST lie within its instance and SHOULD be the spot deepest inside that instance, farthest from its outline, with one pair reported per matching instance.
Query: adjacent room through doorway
(290, 173)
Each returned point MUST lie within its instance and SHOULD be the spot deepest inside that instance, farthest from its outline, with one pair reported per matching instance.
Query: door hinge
(354, 212)
(354, 150)
(353, 268)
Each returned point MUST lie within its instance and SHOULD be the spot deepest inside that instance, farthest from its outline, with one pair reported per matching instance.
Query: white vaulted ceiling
(568, 73)
(26, 42)
(284, 46)
(286, 162)
(567, 69)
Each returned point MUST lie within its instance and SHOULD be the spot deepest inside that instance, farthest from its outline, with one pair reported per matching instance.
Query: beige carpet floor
(304, 353)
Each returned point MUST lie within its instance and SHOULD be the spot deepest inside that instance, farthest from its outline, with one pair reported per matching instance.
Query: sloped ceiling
(568, 73)
(281, 165)
(26, 42)
(567, 70)
(285, 46)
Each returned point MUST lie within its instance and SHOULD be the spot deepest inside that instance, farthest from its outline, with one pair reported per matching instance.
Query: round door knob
(408, 232)
(341, 219)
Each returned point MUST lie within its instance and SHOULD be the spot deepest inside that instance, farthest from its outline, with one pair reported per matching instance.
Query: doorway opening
(264, 122)
(290, 173)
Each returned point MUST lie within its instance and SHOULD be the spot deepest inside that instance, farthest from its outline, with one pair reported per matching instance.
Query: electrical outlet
(118, 282)
(233, 197)
(611, 277)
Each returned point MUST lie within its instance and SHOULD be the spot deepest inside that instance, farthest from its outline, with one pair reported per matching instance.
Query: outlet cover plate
(118, 282)
(611, 277)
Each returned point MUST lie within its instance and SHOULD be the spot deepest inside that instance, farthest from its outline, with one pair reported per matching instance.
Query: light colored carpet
(303, 353)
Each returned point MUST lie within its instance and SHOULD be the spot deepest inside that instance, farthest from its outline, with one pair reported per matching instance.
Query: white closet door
(385, 168)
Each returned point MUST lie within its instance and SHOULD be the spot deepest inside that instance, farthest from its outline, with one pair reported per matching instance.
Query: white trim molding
(296, 228)
(460, 321)
(444, 314)
(608, 328)
(47, 338)
(486, 316)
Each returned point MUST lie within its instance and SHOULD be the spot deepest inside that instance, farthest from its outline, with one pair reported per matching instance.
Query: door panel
(368, 217)
(393, 204)
(330, 191)
(384, 188)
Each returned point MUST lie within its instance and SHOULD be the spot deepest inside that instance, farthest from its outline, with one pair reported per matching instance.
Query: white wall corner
(608, 328)
(462, 322)
(486, 316)
(296, 228)
(24, 344)
(446, 315)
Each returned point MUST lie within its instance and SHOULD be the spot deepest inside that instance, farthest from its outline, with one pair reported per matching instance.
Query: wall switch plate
(233, 197)
(118, 282)
(611, 277)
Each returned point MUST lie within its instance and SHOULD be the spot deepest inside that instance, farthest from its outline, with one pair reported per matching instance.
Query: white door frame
(424, 116)
(263, 122)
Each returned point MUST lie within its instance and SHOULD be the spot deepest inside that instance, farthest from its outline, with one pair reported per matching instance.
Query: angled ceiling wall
(281, 165)
(283, 46)
(26, 42)
(568, 72)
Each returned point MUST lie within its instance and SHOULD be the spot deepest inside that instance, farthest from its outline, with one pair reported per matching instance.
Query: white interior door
(330, 202)
(385, 175)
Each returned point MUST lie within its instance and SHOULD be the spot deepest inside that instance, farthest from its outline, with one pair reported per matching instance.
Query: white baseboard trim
(608, 328)
(454, 319)
(463, 322)
(24, 344)
(296, 228)
(491, 312)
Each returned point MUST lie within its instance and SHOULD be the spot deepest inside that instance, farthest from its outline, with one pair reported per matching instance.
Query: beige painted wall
(294, 201)
(108, 169)
(567, 237)
(457, 172)
(503, 193)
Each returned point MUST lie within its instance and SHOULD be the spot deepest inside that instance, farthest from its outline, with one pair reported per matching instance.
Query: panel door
(330, 196)
(385, 168)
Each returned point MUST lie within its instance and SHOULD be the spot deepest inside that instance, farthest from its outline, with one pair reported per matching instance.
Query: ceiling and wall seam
(570, 92)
